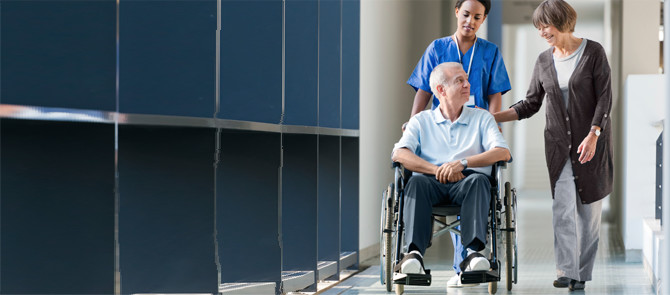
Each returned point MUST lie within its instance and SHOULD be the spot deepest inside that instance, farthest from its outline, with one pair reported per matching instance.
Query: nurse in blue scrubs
(483, 63)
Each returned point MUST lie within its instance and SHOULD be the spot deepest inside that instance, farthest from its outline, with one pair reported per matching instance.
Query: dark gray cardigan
(590, 104)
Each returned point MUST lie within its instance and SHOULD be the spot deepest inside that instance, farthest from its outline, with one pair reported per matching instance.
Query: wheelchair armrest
(401, 171)
(496, 168)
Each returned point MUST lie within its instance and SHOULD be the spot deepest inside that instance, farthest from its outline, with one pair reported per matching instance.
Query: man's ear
(439, 88)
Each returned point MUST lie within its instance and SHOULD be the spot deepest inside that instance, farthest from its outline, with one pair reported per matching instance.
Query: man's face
(458, 88)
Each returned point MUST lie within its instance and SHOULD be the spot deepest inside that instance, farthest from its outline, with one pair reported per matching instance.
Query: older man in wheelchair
(450, 150)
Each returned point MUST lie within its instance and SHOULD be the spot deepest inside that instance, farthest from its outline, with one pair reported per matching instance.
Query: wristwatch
(464, 162)
(596, 131)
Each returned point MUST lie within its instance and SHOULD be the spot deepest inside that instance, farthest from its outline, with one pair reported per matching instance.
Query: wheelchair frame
(502, 228)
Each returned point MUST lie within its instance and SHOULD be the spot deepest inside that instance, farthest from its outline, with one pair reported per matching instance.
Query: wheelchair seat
(446, 209)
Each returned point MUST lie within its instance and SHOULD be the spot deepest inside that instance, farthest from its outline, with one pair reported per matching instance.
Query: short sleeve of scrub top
(488, 74)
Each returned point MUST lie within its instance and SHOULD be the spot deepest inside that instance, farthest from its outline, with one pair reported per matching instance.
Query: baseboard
(369, 252)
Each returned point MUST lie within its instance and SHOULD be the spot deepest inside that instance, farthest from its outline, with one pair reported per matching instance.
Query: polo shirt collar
(463, 119)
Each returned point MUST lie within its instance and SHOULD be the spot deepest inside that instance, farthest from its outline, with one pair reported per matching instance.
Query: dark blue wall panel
(168, 57)
(251, 60)
(351, 18)
(349, 187)
(166, 213)
(301, 62)
(57, 200)
(329, 198)
(329, 63)
(247, 207)
(299, 202)
(59, 53)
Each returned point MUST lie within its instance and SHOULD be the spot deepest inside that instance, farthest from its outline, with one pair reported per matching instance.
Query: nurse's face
(469, 17)
(550, 34)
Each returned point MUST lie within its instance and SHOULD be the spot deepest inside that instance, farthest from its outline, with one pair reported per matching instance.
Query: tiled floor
(611, 275)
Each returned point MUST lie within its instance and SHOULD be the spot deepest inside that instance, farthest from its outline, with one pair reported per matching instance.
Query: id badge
(471, 101)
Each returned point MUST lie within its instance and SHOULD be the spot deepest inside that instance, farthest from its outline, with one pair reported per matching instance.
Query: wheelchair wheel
(387, 238)
(493, 287)
(509, 245)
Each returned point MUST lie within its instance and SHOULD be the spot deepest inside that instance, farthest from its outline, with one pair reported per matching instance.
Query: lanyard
(472, 57)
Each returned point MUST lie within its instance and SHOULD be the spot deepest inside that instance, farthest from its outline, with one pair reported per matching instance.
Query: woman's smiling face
(469, 17)
(549, 33)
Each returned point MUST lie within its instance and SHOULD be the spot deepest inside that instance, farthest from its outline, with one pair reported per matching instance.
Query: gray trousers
(422, 192)
(576, 229)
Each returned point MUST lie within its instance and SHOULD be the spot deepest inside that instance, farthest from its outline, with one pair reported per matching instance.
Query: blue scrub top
(488, 74)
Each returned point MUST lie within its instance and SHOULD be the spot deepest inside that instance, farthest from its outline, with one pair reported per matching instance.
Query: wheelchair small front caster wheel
(493, 287)
(399, 289)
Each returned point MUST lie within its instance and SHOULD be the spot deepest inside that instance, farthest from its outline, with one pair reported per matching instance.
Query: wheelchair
(502, 240)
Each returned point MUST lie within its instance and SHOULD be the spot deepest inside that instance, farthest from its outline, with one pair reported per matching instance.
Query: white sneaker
(455, 282)
(411, 266)
(476, 262)
(412, 263)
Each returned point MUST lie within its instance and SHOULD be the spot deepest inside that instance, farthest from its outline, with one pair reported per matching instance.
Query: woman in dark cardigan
(575, 77)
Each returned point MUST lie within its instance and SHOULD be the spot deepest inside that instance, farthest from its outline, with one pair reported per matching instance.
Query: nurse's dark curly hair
(486, 3)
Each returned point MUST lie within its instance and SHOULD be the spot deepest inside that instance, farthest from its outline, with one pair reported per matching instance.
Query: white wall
(640, 54)
(521, 47)
(644, 104)
(394, 35)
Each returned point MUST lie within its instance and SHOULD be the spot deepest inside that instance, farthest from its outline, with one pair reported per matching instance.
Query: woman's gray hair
(439, 77)
(557, 13)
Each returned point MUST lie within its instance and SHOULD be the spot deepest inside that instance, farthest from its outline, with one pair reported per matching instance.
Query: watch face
(597, 132)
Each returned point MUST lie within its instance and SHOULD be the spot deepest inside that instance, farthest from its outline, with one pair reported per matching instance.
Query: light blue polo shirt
(438, 140)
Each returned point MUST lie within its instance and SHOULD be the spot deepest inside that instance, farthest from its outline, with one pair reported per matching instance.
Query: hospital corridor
(312, 147)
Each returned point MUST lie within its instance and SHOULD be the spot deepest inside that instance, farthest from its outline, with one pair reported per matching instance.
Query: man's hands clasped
(449, 172)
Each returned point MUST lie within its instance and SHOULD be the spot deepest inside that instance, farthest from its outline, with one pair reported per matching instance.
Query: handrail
(110, 117)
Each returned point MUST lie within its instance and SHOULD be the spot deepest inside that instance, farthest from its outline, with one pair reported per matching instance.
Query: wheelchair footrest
(412, 279)
(482, 276)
